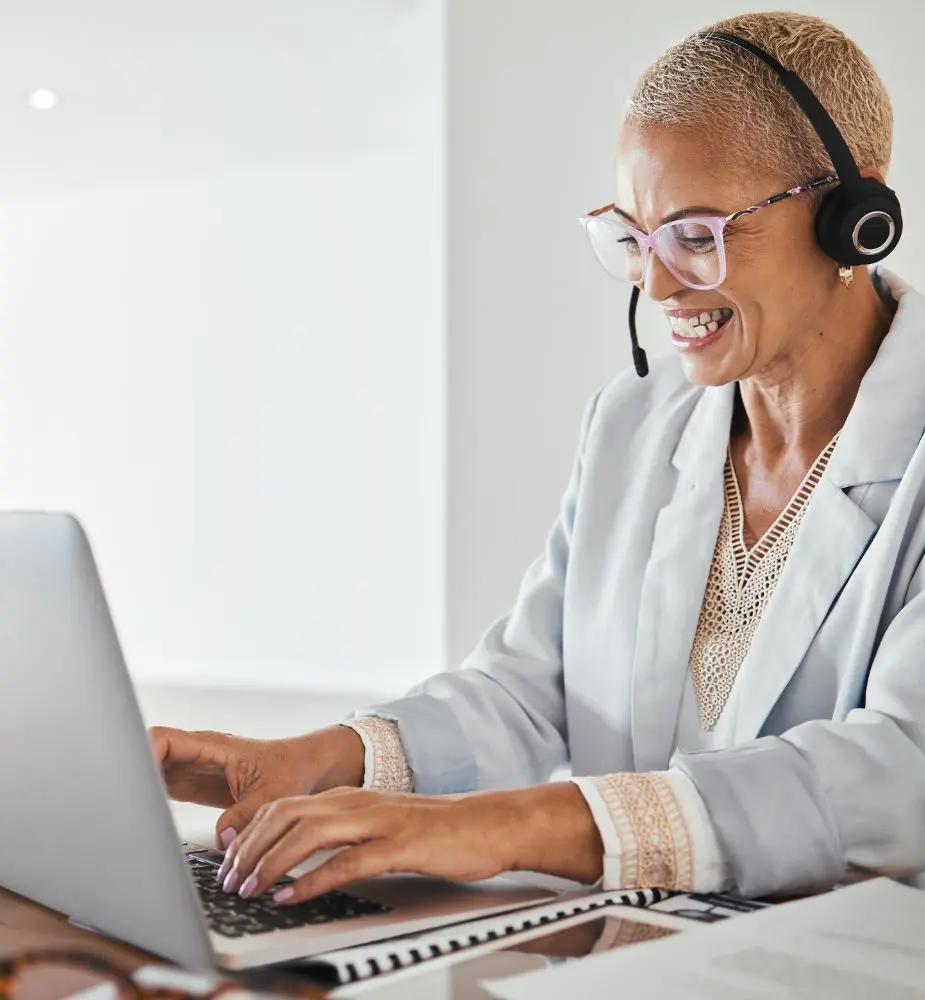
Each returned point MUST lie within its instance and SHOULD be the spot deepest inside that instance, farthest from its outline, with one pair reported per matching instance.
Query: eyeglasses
(691, 248)
(64, 973)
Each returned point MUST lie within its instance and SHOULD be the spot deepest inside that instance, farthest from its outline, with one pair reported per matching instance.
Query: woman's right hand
(240, 775)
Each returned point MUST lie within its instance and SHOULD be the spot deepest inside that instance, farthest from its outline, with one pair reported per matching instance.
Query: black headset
(859, 222)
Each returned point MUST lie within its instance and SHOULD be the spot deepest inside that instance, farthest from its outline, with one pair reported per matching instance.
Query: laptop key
(231, 916)
(228, 930)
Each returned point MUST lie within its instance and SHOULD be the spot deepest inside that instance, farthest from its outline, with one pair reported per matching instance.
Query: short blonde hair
(704, 83)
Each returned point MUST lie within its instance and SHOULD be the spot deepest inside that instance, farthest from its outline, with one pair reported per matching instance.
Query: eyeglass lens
(688, 249)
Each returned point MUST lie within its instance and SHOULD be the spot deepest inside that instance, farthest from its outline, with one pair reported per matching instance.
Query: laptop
(87, 829)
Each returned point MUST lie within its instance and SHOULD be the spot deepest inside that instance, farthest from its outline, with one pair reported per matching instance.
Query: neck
(796, 406)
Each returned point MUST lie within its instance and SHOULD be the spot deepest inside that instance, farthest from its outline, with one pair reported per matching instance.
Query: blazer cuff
(656, 832)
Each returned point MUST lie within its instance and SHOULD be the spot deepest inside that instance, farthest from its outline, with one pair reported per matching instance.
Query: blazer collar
(700, 453)
(886, 422)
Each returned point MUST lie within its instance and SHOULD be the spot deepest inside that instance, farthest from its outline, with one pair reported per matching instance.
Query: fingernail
(228, 834)
(231, 881)
(284, 894)
(223, 869)
(250, 884)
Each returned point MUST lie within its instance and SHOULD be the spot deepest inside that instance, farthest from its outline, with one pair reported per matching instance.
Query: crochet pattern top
(739, 587)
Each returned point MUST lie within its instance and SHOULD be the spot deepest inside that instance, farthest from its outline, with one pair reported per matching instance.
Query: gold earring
(846, 274)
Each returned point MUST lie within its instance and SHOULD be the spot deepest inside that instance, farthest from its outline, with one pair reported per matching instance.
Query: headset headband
(819, 118)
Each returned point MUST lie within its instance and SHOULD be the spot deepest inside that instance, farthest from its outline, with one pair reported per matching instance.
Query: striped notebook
(350, 965)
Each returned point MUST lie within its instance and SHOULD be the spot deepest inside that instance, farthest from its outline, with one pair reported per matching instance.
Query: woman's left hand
(548, 828)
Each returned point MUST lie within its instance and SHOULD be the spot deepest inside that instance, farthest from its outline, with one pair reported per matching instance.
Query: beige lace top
(654, 826)
(739, 587)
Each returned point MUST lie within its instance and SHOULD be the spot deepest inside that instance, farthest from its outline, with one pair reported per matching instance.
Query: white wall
(237, 383)
(535, 92)
(298, 463)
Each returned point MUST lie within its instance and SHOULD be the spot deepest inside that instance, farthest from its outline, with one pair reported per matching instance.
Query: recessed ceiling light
(43, 100)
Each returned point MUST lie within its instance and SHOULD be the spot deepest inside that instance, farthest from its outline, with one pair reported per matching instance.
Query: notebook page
(858, 942)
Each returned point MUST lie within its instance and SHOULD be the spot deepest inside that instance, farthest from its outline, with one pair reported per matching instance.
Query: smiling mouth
(701, 326)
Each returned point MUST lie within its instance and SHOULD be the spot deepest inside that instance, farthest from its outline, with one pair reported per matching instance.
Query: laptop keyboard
(232, 916)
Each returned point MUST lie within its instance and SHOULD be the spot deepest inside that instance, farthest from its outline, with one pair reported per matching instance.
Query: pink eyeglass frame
(715, 223)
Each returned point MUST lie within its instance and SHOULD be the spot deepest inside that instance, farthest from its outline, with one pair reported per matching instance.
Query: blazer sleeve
(499, 721)
(791, 812)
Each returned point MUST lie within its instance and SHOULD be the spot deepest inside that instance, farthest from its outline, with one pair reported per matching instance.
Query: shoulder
(634, 407)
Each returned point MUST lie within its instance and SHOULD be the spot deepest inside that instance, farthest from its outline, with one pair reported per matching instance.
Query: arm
(653, 830)
(500, 721)
(546, 828)
(792, 812)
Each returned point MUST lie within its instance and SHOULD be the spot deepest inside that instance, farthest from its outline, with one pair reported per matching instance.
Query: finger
(375, 857)
(242, 814)
(271, 821)
(161, 737)
(321, 826)
(177, 746)
(206, 790)
(235, 820)
(303, 840)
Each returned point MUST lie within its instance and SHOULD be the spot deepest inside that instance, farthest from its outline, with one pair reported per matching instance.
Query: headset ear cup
(829, 218)
(837, 218)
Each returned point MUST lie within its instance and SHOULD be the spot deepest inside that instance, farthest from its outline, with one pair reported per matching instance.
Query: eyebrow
(679, 214)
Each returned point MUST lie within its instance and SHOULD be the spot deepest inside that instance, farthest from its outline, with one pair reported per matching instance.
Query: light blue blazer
(590, 664)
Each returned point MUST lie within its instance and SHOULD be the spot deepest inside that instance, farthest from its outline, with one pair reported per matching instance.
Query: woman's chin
(702, 370)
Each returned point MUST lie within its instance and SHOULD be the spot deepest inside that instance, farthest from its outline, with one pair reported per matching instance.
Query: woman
(725, 635)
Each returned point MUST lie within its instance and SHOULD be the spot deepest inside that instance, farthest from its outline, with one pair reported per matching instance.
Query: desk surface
(26, 926)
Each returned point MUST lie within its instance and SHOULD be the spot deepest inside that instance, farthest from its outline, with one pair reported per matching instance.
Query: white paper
(864, 941)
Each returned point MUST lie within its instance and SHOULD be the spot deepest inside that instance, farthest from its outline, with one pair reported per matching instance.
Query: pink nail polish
(228, 834)
(231, 881)
(250, 884)
(286, 893)
(223, 869)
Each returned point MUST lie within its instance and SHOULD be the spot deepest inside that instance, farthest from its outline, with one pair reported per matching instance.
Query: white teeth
(689, 330)
(702, 325)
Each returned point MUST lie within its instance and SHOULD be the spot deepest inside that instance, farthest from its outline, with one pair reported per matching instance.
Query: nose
(658, 282)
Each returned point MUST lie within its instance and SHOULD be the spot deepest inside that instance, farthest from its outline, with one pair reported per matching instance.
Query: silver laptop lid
(86, 828)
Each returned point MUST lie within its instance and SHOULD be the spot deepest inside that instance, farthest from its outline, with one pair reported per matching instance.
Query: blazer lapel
(831, 540)
(880, 435)
(676, 576)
